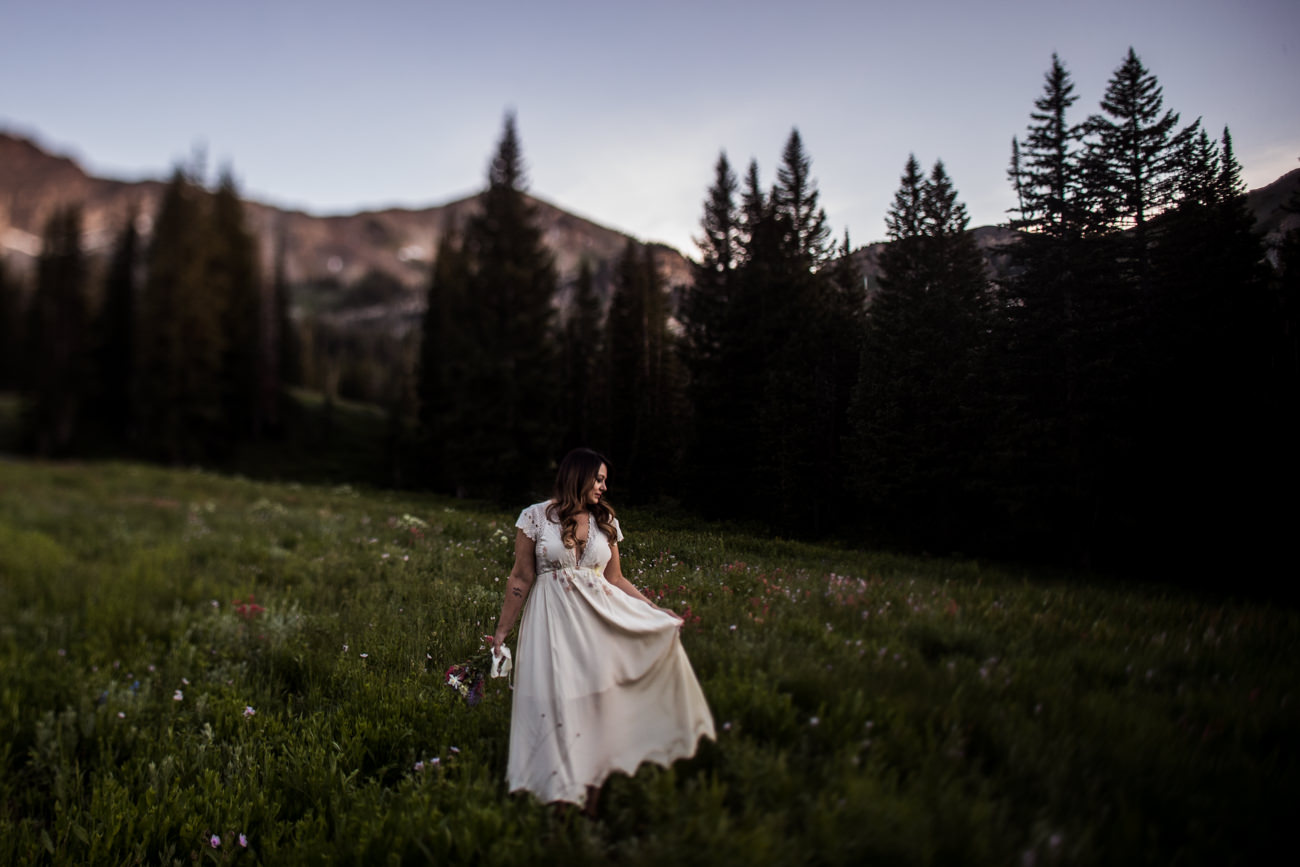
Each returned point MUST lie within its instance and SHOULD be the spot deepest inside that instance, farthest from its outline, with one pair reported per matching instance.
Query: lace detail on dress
(532, 520)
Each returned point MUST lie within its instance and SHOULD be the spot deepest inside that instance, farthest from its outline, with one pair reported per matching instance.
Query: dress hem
(663, 758)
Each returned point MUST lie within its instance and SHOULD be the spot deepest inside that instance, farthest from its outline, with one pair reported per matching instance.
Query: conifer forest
(1122, 394)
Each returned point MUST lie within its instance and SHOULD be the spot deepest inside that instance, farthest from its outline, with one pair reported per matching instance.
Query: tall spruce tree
(919, 413)
(514, 413)
(630, 364)
(1203, 431)
(447, 351)
(1133, 154)
(583, 347)
(181, 344)
(1045, 171)
(115, 337)
(233, 281)
(799, 431)
(11, 317)
(714, 343)
(58, 336)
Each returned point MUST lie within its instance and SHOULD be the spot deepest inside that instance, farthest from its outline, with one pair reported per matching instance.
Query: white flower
(248, 710)
(178, 696)
(215, 841)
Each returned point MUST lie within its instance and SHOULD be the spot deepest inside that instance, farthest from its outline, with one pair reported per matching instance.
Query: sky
(622, 108)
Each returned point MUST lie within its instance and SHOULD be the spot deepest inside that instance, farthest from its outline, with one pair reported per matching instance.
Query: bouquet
(467, 677)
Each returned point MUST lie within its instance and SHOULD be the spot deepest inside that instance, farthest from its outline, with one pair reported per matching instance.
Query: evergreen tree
(794, 199)
(1134, 152)
(232, 283)
(58, 335)
(447, 351)
(1204, 435)
(919, 413)
(583, 352)
(630, 362)
(716, 347)
(11, 318)
(181, 344)
(799, 426)
(1045, 173)
(115, 337)
(514, 426)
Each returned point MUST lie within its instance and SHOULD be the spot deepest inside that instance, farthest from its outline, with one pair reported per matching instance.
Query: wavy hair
(576, 475)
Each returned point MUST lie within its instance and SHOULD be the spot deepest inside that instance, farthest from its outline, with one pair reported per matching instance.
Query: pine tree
(514, 424)
(58, 335)
(11, 318)
(583, 346)
(115, 337)
(1045, 172)
(181, 344)
(715, 344)
(1204, 435)
(1133, 151)
(232, 281)
(794, 199)
(446, 351)
(799, 429)
(630, 362)
(918, 411)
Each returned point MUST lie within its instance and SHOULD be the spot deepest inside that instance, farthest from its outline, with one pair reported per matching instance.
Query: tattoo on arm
(517, 592)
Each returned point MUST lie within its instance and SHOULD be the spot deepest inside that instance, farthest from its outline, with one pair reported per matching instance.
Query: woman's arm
(518, 584)
(614, 575)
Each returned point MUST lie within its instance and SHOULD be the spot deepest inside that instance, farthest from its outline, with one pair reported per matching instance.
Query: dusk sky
(622, 108)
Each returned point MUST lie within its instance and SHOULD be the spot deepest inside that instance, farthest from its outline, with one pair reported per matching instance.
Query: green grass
(871, 708)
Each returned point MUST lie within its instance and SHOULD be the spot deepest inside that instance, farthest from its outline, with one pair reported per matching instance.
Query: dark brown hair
(576, 475)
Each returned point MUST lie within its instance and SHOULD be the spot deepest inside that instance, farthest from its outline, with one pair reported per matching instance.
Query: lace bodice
(549, 547)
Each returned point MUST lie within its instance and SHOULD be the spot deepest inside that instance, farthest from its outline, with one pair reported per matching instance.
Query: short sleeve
(618, 531)
(531, 520)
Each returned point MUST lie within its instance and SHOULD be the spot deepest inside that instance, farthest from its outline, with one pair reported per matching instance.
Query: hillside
(320, 251)
(326, 254)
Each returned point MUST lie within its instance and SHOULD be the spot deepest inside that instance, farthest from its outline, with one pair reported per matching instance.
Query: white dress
(602, 682)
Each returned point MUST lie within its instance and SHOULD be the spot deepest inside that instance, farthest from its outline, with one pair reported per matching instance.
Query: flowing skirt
(602, 684)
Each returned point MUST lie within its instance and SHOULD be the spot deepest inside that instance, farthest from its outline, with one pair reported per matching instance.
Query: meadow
(206, 668)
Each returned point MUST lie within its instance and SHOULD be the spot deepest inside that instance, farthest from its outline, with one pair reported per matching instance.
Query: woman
(602, 682)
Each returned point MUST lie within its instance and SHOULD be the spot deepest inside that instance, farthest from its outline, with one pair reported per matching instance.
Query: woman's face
(596, 488)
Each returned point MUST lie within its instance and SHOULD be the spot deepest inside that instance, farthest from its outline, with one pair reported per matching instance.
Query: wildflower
(121, 714)
(248, 710)
(726, 726)
(178, 696)
(365, 656)
(243, 841)
(812, 721)
(345, 648)
(454, 749)
(733, 627)
(435, 760)
(419, 766)
(215, 841)
(185, 681)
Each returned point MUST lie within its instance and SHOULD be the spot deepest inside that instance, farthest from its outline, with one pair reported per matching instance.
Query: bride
(602, 681)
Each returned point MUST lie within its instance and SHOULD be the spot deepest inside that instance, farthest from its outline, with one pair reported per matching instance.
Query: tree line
(176, 351)
(1124, 394)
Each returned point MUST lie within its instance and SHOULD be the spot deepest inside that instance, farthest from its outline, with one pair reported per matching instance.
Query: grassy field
(204, 668)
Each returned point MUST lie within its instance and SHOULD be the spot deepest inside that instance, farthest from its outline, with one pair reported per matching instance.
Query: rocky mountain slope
(394, 246)
(324, 255)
